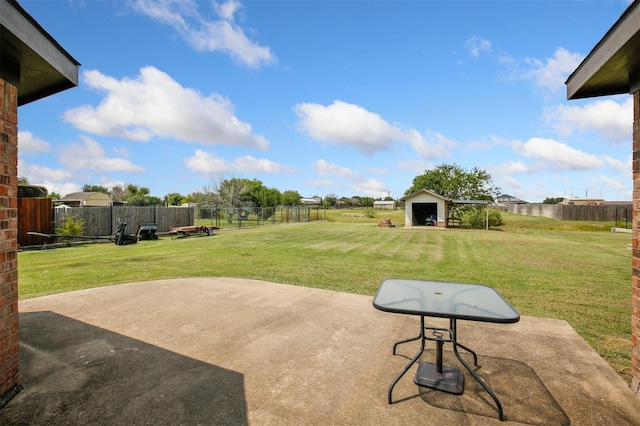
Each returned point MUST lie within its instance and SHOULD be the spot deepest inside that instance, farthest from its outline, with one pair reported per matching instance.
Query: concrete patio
(237, 352)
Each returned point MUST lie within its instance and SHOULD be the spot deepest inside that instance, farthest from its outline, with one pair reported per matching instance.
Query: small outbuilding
(384, 205)
(425, 208)
(87, 199)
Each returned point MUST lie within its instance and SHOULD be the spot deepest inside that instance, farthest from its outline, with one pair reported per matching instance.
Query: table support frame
(439, 339)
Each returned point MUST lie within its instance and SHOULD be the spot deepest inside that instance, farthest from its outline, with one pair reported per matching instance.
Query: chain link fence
(239, 217)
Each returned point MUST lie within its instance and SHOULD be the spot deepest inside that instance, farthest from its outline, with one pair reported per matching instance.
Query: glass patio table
(455, 301)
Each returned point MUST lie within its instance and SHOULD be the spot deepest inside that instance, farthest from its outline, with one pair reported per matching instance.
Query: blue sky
(327, 97)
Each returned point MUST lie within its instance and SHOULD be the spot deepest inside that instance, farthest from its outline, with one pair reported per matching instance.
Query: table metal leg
(473, 373)
(413, 360)
(411, 339)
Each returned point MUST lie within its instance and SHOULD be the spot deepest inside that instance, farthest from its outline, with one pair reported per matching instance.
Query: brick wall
(8, 241)
(635, 279)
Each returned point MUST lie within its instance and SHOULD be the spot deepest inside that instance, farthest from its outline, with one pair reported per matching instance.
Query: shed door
(421, 211)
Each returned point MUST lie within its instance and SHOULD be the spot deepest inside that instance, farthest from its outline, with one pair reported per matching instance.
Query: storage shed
(87, 199)
(384, 205)
(425, 208)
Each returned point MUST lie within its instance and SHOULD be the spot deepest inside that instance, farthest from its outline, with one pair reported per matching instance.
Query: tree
(139, 196)
(556, 200)
(330, 200)
(118, 193)
(23, 180)
(232, 192)
(454, 182)
(174, 199)
(266, 197)
(290, 198)
(366, 201)
(95, 188)
(54, 196)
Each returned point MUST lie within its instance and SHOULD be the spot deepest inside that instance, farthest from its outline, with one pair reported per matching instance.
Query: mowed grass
(575, 271)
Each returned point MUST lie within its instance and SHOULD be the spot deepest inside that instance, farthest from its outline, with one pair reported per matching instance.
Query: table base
(451, 380)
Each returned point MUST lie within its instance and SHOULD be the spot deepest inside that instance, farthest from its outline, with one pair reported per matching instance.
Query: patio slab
(237, 352)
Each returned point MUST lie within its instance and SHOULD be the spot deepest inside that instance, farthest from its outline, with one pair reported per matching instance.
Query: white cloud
(612, 120)
(417, 166)
(90, 155)
(38, 174)
(333, 170)
(511, 182)
(476, 45)
(371, 188)
(434, 145)
(345, 124)
(156, 105)
(205, 162)
(557, 156)
(625, 167)
(55, 180)
(610, 183)
(323, 183)
(516, 168)
(204, 34)
(28, 143)
(551, 73)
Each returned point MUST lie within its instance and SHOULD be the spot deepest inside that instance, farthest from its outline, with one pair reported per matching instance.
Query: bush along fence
(238, 217)
(620, 214)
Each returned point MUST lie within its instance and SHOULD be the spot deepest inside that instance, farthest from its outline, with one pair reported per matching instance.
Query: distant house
(384, 205)
(87, 199)
(314, 201)
(509, 199)
(423, 206)
(583, 202)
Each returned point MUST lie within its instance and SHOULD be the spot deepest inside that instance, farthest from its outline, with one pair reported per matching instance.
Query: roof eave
(32, 59)
(610, 68)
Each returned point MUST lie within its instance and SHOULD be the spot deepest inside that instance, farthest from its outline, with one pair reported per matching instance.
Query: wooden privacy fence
(34, 214)
(608, 213)
(103, 221)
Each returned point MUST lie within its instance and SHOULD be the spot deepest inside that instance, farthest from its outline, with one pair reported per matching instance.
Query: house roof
(81, 196)
(424, 191)
(31, 59)
(613, 66)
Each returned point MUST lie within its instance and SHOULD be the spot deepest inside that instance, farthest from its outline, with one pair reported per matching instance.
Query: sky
(344, 98)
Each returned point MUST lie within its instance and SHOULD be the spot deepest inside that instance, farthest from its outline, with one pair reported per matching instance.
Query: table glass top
(444, 299)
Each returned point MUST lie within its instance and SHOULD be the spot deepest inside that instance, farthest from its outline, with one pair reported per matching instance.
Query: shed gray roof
(426, 191)
(613, 65)
(31, 59)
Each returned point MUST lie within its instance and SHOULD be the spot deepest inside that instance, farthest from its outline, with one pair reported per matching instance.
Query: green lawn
(575, 271)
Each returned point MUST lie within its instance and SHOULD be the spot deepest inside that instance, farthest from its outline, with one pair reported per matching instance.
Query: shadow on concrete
(530, 402)
(76, 373)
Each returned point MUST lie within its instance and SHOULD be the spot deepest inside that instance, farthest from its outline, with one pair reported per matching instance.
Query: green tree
(556, 200)
(139, 196)
(232, 192)
(174, 199)
(290, 198)
(266, 197)
(54, 196)
(23, 180)
(366, 201)
(330, 200)
(454, 182)
(95, 188)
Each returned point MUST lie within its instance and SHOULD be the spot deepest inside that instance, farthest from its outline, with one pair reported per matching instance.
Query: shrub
(476, 217)
(72, 227)
(369, 213)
